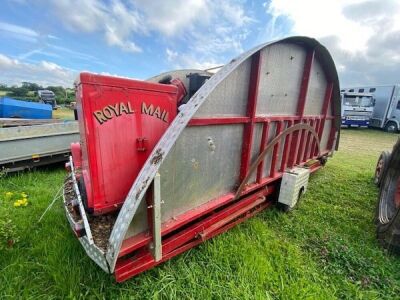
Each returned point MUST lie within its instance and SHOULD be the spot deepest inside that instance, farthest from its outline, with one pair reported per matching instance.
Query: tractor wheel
(387, 217)
(381, 167)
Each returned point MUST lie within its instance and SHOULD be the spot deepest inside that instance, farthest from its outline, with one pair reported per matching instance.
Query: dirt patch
(100, 226)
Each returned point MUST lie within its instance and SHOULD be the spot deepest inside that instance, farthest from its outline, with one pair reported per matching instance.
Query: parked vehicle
(27, 143)
(12, 108)
(387, 215)
(48, 97)
(386, 112)
(357, 109)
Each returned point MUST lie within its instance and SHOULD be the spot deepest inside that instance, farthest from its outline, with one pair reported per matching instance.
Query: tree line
(28, 91)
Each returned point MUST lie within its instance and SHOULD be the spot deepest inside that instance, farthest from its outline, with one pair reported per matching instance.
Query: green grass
(63, 113)
(325, 249)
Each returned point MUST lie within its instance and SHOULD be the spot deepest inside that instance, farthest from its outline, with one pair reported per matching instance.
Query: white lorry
(386, 112)
(48, 97)
(357, 109)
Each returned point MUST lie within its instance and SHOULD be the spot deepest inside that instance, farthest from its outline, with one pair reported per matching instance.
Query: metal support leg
(157, 247)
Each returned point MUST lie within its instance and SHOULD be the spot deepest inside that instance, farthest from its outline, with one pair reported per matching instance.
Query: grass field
(325, 249)
(63, 113)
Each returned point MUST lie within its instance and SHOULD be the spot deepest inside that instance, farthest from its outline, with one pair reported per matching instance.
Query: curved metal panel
(280, 79)
(236, 71)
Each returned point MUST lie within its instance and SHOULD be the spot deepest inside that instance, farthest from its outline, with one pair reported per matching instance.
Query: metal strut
(270, 147)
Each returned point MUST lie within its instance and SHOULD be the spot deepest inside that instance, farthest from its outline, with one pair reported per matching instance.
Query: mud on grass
(325, 249)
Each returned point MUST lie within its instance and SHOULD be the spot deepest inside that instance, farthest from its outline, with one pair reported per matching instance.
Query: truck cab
(357, 109)
(47, 97)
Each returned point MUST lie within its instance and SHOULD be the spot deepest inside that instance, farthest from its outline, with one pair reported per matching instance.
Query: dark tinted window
(351, 90)
(342, 90)
(361, 90)
(398, 105)
(371, 90)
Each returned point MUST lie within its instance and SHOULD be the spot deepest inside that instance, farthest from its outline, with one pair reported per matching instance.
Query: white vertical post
(157, 246)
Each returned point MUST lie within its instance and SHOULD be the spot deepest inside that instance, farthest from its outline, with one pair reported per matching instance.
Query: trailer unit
(168, 163)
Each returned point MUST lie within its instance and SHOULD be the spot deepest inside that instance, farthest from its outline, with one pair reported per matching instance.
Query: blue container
(11, 108)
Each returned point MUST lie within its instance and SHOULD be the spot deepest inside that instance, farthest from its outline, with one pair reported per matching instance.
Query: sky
(50, 41)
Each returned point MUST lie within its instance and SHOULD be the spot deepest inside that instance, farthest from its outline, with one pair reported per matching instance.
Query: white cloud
(18, 29)
(207, 27)
(324, 18)
(172, 17)
(81, 15)
(44, 73)
(363, 36)
(171, 55)
(220, 29)
(117, 22)
(19, 32)
(188, 61)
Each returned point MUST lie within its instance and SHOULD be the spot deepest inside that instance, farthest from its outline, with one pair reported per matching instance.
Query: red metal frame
(202, 229)
(218, 215)
(218, 121)
(145, 261)
(251, 113)
(288, 141)
(263, 143)
(278, 130)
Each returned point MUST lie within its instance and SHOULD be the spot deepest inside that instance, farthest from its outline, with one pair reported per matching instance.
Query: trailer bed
(25, 147)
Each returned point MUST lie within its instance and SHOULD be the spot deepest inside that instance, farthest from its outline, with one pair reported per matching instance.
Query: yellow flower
(9, 194)
(24, 195)
(21, 202)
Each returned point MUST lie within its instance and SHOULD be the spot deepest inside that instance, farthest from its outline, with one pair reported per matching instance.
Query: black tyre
(287, 208)
(387, 217)
(381, 167)
(391, 127)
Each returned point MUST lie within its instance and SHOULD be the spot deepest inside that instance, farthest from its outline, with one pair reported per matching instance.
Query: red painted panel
(113, 114)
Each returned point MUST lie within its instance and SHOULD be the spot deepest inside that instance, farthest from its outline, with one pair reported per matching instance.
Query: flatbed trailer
(25, 147)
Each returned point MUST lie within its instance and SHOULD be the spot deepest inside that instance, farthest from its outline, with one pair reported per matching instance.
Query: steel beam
(251, 112)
